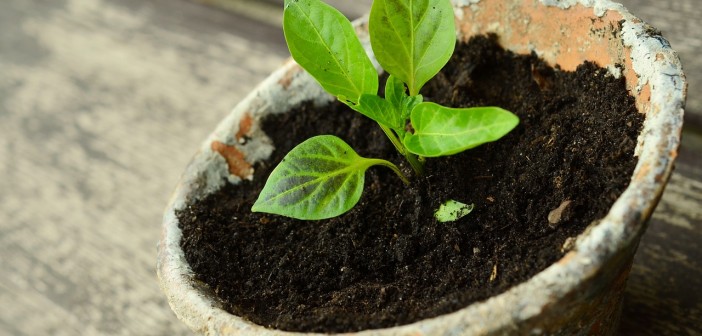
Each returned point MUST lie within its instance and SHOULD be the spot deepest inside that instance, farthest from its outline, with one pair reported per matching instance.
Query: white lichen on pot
(579, 294)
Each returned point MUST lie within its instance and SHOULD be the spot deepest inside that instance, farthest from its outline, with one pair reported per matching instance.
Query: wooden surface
(664, 292)
(102, 103)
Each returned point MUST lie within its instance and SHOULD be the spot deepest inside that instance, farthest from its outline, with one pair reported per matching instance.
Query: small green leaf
(380, 110)
(395, 91)
(409, 104)
(452, 211)
(440, 131)
(412, 39)
(319, 178)
(396, 94)
(324, 43)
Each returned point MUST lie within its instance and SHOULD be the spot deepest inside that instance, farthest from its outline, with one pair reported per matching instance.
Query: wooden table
(88, 86)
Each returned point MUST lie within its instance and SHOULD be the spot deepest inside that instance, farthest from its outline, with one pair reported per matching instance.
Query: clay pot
(582, 292)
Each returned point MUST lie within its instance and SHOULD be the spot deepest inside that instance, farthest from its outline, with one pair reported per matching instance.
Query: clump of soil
(388, 262)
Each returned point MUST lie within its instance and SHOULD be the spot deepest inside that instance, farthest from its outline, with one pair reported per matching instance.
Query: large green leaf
(412, 39)
(320, 178)
(440, 131)
(324, 43)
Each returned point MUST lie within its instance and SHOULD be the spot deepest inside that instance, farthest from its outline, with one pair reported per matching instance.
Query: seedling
(412, 40)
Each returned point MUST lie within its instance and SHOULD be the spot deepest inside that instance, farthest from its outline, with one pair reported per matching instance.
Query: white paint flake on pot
(579, 294)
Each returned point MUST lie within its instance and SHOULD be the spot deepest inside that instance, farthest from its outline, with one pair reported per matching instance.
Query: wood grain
(664, 292)
(102, 103)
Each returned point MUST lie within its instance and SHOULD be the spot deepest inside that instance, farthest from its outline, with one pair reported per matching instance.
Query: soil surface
(387, 261)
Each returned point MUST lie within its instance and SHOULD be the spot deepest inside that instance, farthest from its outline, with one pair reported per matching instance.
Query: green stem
(412, 91)
(412, 158)
(390, 165)
(393, 138)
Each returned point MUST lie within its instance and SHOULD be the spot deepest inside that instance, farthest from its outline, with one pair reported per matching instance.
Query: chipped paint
(238, 166)
(244, 128)
(287, 78)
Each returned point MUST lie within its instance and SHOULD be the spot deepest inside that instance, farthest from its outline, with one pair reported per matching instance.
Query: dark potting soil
(387, 261)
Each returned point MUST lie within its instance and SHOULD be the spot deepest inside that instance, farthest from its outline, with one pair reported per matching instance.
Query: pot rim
(196, 305)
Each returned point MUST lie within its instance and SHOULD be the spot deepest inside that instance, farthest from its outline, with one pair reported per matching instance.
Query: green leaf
(380, 110)
(319, 178)
(395, 91)
(440, 131)
(324, 43)
(409, 103)
(412, 39)
(396, 94)
(452, 211)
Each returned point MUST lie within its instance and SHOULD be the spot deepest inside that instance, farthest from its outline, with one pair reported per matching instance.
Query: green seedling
(412, 40)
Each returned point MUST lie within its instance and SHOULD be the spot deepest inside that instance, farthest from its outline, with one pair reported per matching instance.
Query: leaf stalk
(390, 165)
(412, 158)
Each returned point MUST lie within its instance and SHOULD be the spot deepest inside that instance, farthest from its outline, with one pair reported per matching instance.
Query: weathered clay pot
(581, 293)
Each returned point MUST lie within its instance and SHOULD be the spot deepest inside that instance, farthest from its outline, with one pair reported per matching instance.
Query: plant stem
(390, 165)
(412, 91)
(412, 158)
(393, 138)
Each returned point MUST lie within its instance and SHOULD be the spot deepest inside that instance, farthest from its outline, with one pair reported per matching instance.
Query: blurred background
(103, 102)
